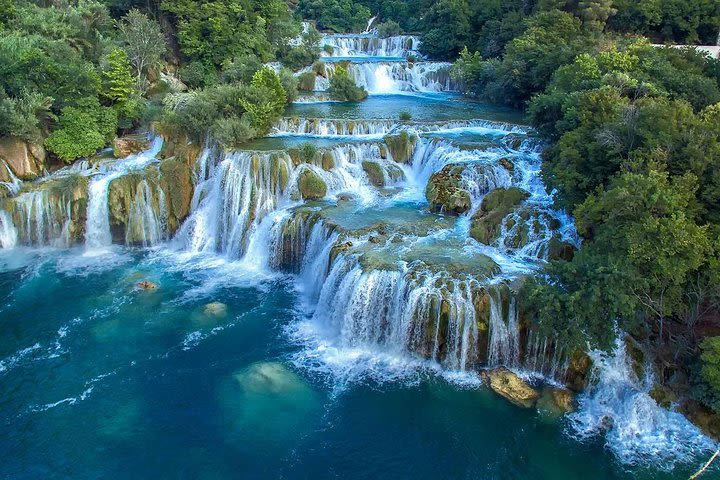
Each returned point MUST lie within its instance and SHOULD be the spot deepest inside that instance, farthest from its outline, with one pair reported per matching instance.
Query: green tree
(82, 130)
(710, 371)
(343, 87)
(144, 43)
(595, 13)
(118, 84)
(266, 99)
(447, 29)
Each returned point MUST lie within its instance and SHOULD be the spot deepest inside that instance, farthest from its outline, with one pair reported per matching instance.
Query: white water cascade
(383, 77)
(8, 232)
(368, 45)
(97, 228)
(617, 403)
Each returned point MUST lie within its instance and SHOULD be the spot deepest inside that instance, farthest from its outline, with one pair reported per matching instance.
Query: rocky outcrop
(401, 146)
(445, 193)
(129, 144)
(578, 371)
(496, 205)
(507, 384)
(380, 175)
(25, 159)
(311, 185)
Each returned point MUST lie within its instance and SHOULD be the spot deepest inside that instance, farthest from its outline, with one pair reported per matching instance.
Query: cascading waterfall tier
(383, 77)
(368, 45)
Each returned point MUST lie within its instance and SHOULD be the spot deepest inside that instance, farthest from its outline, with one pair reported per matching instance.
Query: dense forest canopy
(632, 130)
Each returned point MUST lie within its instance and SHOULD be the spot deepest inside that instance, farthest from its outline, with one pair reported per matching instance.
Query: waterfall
(371, 46)
(14, 185)
(318, 127)
(147, 221)
(395, 77)
(97, 229)
(545, 356)
(617, 403)
(504, 348)
(8, 232)
(45, 218)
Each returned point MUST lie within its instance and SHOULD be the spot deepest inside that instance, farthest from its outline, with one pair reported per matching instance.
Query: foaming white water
(319, 127)
(97, 228)
(8, 232)
(394, 77)
(14, 185)
(371, 46)
(147, 223)
(636, 429)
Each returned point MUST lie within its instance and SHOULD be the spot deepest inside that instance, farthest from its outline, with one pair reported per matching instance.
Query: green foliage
(198, 75)
(144, 43)
(266, 99)
(240, 69)
(308, 152)
(710, 371)
(118, 84)
(405, 116)
(289, 84)
(214, 31)
(595, 13)
(447, 29)
(25, 116)
(233, 131)
(306, 81)
(343, 87)
(297, 56)
(83, 129)
(336, 15)
(8, 10)
(388, 28)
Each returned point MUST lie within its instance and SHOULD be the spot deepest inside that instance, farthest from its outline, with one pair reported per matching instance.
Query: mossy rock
(444, 193)
(496, 205)
(327, 161)
(130, 144)
(515, 389)
(375, 173)
(559, 250)
(178, 187)
(401, 146)
(311, 185)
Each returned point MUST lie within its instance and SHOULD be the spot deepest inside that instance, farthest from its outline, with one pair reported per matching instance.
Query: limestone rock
(374, 172)
(311, 185)
(496, 205)
(507, 384)
(25, 159)
(703, 417)
(507, 164)
(129, 144)
(401, 146)
(445, 194)
(559, 250)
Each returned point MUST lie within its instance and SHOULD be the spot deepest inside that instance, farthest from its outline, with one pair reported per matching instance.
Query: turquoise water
(424, 107)
(102, 379)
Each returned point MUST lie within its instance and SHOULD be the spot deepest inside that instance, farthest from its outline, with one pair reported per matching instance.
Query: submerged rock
(147, 285)
(496, 205)
(130, 144)
(556, 401)
(311, 185)
(507, 384)
(215, 309)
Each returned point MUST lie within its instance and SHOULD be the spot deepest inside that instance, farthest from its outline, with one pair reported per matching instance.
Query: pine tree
(118, 83)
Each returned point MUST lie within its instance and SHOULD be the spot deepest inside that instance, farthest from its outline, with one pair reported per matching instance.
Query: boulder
(25, 159)
(311, 185)
(375, 173)
(401, 146)
(515, 389)
(507, 164)
(559, 250)
(578, 371)
(445, 194)
(498, 204)
(557, 401)
(705, 419)
(129, 145)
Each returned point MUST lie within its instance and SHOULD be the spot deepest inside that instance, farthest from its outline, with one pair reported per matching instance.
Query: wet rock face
(401, 146)
(496, 205)
(445, 194)
(130, 144)
(381, 175)
(311, 185)
(507, 384)
(25, 159)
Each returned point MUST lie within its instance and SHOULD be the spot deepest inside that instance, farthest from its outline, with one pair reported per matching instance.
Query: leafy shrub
(83, 130)
(306, 81)
(388, 28)
(405, 116)
(198, 75)
(344, 88)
